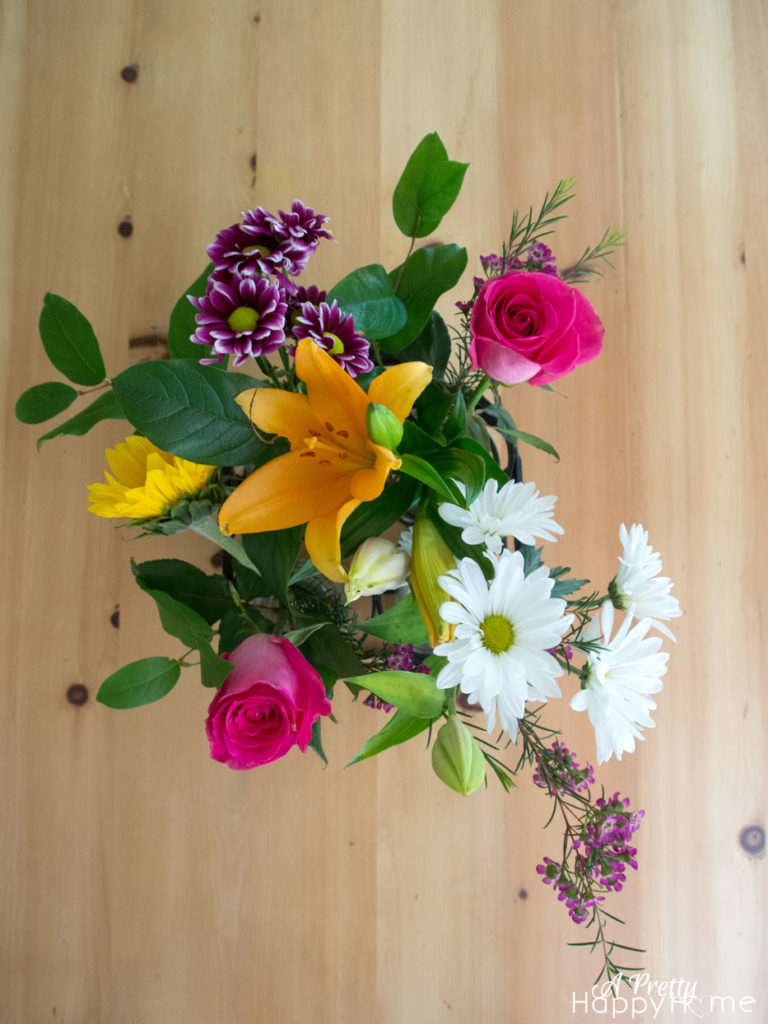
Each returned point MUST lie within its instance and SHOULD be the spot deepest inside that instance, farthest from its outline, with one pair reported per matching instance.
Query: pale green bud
(383, 426)
(377, 565)
(430, 557)
(457, 759)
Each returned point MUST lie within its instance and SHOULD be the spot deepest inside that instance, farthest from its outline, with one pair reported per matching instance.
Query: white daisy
(516, 510)
(637, 587)
(504, 631)
(619, 680)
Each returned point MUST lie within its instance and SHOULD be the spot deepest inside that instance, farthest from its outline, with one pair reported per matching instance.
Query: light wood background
(141, 882)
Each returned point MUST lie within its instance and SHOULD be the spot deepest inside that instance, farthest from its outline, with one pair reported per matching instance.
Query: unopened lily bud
(377, 565)
(430, 557)
(457, 759)
(383, 426)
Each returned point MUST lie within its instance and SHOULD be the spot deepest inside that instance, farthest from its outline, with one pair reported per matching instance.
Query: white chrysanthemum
(619, 681)
(514, 511)
(637, 587)
(504, 631)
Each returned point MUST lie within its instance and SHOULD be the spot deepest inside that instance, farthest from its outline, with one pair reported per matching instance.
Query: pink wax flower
(532, 326)
(268, 703)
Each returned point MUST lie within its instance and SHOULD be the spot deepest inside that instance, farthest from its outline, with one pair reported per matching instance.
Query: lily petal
(278, 412)
(334, 397)
(323, 541)
(400, 386)
(286, 491)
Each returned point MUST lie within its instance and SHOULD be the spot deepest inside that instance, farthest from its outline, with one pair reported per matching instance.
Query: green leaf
(213, 669)
(368, 296)
(298, 636)
(41, 402)
(141, 682)
(426, 275)
(400, 624)
(69, 341)
(274, 554)
(105, 407)
(373, 518)
(183, 325)
(536, 442)
(423, 471)
(327, 648)
(427, 188)
(399, 729)
(208, 595)
(432, 346)
(190, 410)
(492, 469)
(316, 743)
(178, 619)
(414, 692)
(432, 409)
(466, 467)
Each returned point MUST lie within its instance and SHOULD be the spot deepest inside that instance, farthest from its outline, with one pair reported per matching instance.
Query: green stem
(478, 393)
(209, 529)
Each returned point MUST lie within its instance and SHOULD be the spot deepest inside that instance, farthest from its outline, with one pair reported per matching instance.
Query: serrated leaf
(178, 619)
(414, 692)
(432, 346)
(69, 341)
(400, 624)
(43, 401)
(213, 669)
(190, 410)
(208, 595)
(274, 554)
(183, 325)
(105, 407)
(367, 295)
(141, 682)
(400, 728)
(420, 281)
(427, 188)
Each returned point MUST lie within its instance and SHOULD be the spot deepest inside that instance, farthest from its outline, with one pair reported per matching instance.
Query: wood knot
(77, 694)
(130, 73)
(125, 227)
(752, 839)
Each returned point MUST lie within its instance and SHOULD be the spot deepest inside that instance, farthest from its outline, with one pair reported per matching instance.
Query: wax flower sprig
(340, 446)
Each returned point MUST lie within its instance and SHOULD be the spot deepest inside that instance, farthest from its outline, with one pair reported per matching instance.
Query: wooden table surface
(143, 883)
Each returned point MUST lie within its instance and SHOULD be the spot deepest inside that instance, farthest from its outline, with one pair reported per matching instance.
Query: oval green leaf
(368, 296)
(400, 728)
(425, 276)
(105, 407)
(141, 682)
(414, 692)
(69, 341)
(183, 325)
(41, 402)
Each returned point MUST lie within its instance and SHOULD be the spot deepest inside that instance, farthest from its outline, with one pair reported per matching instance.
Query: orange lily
(333, 465)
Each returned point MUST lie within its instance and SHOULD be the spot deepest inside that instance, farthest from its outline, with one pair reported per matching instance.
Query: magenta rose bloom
(532, 326)
(268, 703)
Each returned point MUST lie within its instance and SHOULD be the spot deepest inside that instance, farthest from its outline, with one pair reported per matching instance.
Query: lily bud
(377, 565)
(457, 759)
(383, 426)
(430, 557)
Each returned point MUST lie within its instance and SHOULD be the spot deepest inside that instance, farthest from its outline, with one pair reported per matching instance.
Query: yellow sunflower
(146, 481)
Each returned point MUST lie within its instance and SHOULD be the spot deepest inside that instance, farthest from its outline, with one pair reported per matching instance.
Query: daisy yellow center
(243, 319)
(498, 634)
(338, 345)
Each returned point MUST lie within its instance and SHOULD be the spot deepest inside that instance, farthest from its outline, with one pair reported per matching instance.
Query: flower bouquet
(350, 454)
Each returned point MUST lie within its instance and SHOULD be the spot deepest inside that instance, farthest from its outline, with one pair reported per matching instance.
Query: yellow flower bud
(377, 565)
(430, 557)
(457, 759)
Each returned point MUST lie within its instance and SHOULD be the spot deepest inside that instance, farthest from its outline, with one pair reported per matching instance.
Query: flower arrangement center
(498, 634)
(244, 318)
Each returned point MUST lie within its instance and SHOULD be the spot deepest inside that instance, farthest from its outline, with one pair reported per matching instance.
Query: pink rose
(532, 327)
(268, 703)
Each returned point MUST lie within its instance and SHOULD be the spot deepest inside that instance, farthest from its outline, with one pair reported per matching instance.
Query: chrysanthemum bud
(377, 565)
(383, 426)
(457, 759)
(430, 557)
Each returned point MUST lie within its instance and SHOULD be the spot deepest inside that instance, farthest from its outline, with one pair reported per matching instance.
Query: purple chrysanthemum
(305, 227)
(296, 300)
(334, 331)
(254, 247)
(239, 316)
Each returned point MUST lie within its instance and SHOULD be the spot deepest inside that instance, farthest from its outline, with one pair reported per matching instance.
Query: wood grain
(144, 883)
